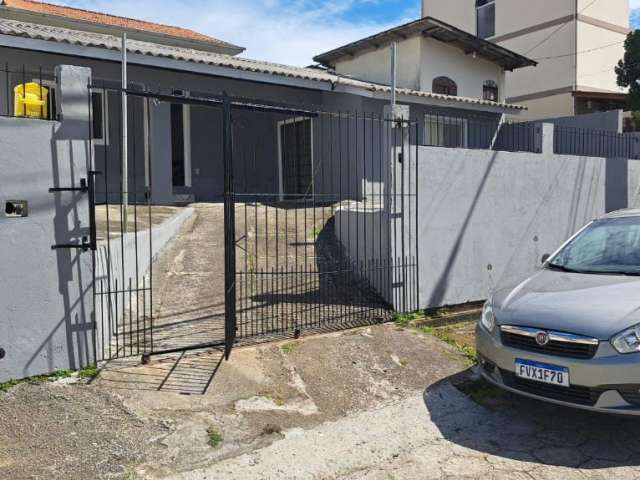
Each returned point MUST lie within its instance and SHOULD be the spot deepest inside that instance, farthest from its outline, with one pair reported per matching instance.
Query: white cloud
(285, 31)
(634, 4)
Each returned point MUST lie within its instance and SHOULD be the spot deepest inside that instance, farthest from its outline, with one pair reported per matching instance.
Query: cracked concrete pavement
(379, 402)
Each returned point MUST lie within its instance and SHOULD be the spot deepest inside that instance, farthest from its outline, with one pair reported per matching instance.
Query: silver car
(570, 334)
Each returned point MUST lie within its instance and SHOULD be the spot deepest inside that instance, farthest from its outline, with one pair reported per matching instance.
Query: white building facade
(577, 44)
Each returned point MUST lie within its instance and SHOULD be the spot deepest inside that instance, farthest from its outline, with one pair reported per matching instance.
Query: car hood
(594, 305)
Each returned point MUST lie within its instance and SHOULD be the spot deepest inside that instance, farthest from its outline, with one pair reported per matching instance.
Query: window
(181, 142)
(490, 91)
(99, 122)
(443, 131)
(444, 86)
(486, 18)
(295, 145)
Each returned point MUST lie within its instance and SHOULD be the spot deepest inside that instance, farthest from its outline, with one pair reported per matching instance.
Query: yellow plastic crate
(31, 100)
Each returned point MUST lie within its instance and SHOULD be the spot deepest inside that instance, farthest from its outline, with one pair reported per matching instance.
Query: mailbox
(16, 208)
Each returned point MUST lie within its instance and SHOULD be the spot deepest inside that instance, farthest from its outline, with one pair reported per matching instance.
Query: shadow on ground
(508, 426)
(187, 373)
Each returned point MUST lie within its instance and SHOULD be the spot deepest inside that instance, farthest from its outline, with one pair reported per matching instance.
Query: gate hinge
(400, 157)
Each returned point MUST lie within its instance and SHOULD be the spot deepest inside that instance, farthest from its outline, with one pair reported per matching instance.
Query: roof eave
(427, 27)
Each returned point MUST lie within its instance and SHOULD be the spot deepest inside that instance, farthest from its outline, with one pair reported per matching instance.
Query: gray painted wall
(46, 296)
(486, 218)
(610, 121)
(255, 135)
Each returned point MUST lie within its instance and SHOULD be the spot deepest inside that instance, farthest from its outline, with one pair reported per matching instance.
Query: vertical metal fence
(595, 143)
(122, 219)
(328, 240)
(40, 89)
(480, 133)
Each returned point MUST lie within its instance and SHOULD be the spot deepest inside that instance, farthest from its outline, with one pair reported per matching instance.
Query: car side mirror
(545, 257)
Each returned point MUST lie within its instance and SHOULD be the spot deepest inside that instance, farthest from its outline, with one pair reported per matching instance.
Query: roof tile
(111, 20)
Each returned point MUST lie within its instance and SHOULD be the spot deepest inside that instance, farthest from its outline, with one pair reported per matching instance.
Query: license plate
(542, 372)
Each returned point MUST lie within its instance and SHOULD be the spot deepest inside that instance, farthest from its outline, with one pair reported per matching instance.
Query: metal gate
(320, 221)
(325, 227)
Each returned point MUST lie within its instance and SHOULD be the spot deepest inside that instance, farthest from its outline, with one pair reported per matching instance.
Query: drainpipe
(125, 143)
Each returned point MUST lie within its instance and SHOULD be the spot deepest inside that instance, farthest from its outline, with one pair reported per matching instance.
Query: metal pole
(393, 73)
(125, 142)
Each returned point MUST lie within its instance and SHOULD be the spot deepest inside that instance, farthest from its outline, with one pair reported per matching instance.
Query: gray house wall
(46, 295)
(255, 134)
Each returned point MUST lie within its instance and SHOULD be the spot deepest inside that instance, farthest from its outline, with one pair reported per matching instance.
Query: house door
(296, 158)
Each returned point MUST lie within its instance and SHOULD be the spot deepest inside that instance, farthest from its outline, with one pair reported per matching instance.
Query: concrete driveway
(380, 402)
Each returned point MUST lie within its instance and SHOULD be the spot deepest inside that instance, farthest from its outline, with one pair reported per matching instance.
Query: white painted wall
(612, 11)
(547, 107)
(375, 65)
(420, 60)
(595, 65)
(548, 74)
(591, 69)
(461, 13)
(439, 59)
(514, 15)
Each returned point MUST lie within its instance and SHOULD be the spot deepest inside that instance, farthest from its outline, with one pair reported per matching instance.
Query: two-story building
(577, 44)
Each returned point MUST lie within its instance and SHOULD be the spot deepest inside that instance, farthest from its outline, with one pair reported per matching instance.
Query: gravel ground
(377, 403)
(62, 430)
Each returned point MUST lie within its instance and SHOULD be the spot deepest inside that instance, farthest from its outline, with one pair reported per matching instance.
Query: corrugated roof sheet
(90, 39)
(110, 20)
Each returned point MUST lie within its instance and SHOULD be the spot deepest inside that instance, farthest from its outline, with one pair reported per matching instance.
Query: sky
(284, 31)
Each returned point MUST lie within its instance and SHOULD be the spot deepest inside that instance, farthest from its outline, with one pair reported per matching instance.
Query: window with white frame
(444, 131)
(295, 146)
(181, 142)
(485, 18)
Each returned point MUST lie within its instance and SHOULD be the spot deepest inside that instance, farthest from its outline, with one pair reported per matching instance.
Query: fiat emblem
(542, 338)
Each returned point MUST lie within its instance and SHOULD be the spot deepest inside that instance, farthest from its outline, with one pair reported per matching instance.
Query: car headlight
(627, 341)
(488, 319)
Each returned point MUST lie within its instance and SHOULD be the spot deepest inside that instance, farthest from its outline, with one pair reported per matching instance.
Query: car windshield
(607, 246)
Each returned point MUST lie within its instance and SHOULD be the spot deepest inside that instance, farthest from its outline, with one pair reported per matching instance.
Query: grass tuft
(289, 347)
(87, 372)
(214, 436)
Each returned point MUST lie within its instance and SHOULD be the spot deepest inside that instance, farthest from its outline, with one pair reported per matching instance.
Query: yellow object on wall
(31, 100)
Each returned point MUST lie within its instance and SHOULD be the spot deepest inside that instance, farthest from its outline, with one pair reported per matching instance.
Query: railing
(595, 143)
(481, 133)
(13, 76)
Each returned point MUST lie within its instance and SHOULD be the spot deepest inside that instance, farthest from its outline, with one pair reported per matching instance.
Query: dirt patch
(72, 431)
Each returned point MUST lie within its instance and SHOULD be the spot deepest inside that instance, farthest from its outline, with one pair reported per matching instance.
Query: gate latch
(83, 188)
(84, 245)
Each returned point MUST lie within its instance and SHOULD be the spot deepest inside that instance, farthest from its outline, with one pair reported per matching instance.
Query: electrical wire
(557, 29)
(581, 52)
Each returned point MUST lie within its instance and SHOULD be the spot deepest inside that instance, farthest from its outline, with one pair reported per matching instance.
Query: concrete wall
(601, 49)
(472, 241)
(461, 13)
(420, 60)
(610, 121)
(469, 73)
(545, 31)
(46, 296)
(375, 65)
